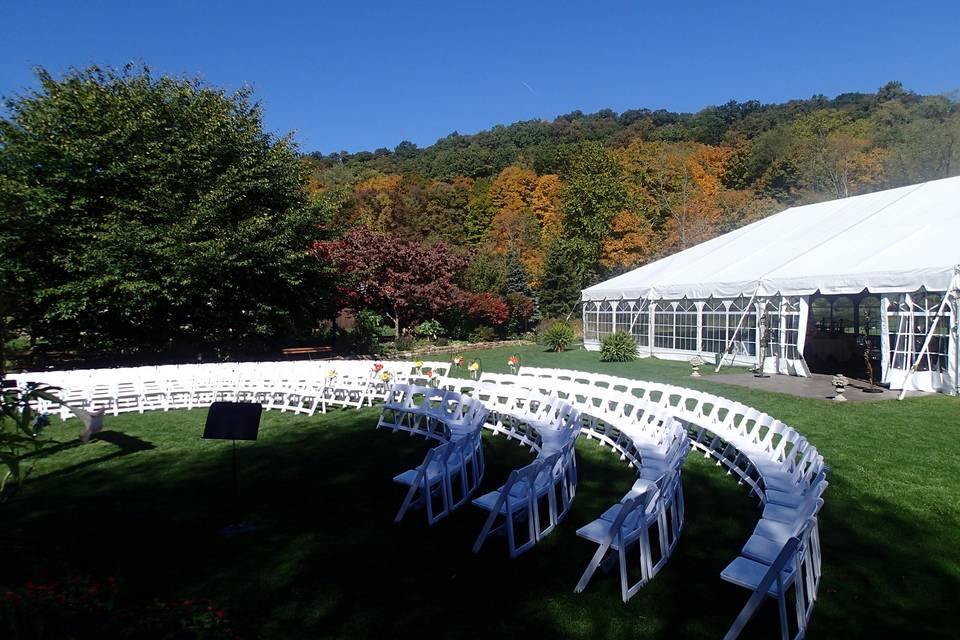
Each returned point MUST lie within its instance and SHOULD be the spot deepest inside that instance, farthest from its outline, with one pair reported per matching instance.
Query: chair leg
(487, 527)
(592, 567)
(407, 502)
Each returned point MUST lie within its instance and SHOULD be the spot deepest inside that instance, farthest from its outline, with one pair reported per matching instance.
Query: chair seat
(748, 574)
(771, 468)
(774, 530)
(791, 499)
(781, 513)
(595, 531)
(780, 482)
(762, 549)
(488, 501)
(639, 487)
(434, 471)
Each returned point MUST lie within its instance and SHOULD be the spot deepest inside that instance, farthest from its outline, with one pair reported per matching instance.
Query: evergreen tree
(517, 279)
(559, 290)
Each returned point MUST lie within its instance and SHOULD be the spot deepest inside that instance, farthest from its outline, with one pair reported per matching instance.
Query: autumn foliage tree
(402, 279)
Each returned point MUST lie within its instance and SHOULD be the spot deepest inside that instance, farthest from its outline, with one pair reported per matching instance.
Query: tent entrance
(842, 332)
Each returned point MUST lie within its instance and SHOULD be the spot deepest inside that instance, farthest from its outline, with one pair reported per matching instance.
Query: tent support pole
(926, 343)
(737, 331)
(636, 316)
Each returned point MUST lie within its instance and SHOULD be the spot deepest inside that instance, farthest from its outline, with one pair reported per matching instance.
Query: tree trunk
(396, 325)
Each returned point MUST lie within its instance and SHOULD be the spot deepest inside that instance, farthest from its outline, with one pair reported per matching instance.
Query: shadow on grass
(327, 560)
(125, 445)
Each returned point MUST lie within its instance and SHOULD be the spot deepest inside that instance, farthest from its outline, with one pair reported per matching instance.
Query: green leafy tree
(593, 193)
(151, 213)
(480, 212)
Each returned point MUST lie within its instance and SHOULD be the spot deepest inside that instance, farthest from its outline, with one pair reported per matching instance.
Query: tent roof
(893, 240)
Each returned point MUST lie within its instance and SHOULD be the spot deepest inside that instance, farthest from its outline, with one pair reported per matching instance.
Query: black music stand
(234, 421)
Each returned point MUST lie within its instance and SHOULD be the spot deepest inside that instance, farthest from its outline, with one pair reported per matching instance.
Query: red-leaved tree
(486, 308)
(399, 278)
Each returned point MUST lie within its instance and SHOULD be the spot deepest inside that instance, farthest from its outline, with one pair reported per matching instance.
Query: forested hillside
(589, 195)
(144, 214)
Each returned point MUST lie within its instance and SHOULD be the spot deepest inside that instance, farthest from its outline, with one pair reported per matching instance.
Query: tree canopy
(144, 213)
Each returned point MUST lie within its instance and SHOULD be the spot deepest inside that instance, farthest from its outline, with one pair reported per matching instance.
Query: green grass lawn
(145, 501)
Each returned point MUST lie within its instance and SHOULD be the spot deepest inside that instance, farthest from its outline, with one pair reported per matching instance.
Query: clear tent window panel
(640, 324)
(910, 320)
(590, 321)
(663, 324)
(843, 316)
(783, 317)
(604, 319)
(925, 313)
(770, 327)
(714, 331)
(900, 322)
(745, 342)
(685, 332)
(624, 315)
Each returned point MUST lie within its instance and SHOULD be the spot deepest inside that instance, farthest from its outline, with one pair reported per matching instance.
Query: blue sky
(362, 75)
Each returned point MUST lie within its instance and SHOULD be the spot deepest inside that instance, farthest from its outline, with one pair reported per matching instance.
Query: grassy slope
(146, 500)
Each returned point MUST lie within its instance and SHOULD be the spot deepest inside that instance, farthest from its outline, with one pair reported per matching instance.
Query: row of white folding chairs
(628, 525)
(303, 386)
(779, 464)
(516, 509)
(535, 419)
(449, 474)
(507, 394)
(452, 471)
(441, 414)
(763, 452)
(629, 425)
(772, 458)
(544, 423)
(793, 565)
(642, 435)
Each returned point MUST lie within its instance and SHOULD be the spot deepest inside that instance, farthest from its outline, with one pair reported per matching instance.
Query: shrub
(367, 331)
(404, 343)
(618, 346)
(21, 434)
(482, 334)
(558, 336)
(431, 329)
(522, 310)
(486, 308)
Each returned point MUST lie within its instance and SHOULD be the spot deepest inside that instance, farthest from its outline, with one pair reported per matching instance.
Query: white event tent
(866, 278)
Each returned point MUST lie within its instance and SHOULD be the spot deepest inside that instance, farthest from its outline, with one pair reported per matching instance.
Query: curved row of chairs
(780, 466)
(550, 427)
(649, 518)
(298, 386)
(782, 469)
(546, 424)
(451, 471)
